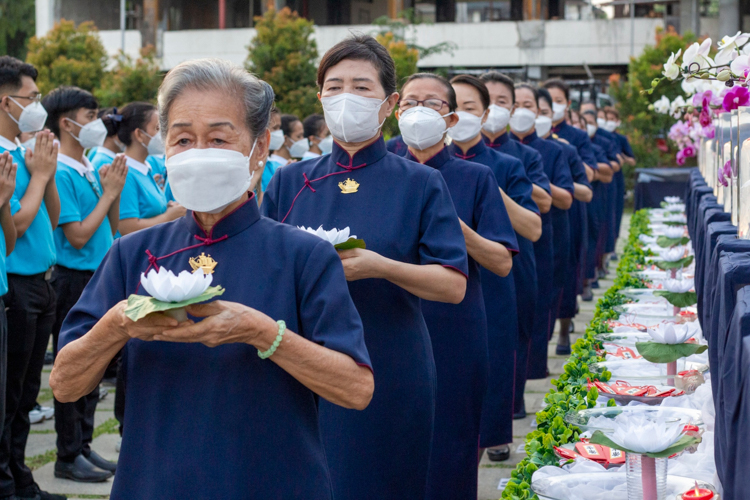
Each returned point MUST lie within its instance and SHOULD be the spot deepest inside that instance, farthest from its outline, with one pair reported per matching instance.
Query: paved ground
(40, 450)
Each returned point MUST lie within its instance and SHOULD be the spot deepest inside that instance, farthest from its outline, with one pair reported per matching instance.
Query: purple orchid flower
(705, 116)
(724, 173)
(736, 97)
(688, 151)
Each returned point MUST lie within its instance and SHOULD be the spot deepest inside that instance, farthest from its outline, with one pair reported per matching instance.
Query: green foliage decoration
(131, 80)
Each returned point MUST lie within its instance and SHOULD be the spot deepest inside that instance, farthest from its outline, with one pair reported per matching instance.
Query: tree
(405, 60)
(284, 54)
(131, 80)
(68, 55)
(17, 20)
(647, 130)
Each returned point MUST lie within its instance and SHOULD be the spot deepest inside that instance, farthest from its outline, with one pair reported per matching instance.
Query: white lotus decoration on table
(674, 232)
(675, 218)
(671, 333)
(165, 286)
(672, 254)
(641, 434)
(333, 236)
(646, 239)
(672, 199)
(678, 285)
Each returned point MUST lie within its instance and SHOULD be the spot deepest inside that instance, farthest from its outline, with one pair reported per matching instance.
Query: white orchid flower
(672, 254)
(165, 286)
(640, 433)
(728, 47)
(672, 333)
(671, 67)
(672, 199)
(698, 53)
(678, 286)
(678, 103)
(674, 231)
(646, 239)
(333, 236)
(662, 105)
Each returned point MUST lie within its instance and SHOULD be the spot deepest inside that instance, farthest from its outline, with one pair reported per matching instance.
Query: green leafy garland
(570, 392)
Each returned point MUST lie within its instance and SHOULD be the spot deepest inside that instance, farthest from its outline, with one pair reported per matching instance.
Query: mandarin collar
(365, 156)
(499, 142)
(106, 152)
(436, 161)
(528, 139)
(473, 151)
(231, 224)
(560, 126)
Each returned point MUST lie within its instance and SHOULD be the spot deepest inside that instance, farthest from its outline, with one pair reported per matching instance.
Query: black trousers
(74, 422)
(31, 314)
(3, 362)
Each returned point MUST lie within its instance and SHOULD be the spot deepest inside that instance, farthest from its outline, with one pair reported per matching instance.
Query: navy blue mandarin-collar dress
(404, 212)
(573, 279)
(459, 334)
(620, 180)
(608, 206)
(613, 189)
(397, 146)
(500, 295)
(597, 219)
(555, 238)
(220, 422)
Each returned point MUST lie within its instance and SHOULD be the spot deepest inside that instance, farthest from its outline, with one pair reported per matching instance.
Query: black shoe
(34, 493)
(101, 462)
(595, 285)
(587, 295)
(562, 350)
(521, 414)
(500, 454)
(613, 258)
(81, 470)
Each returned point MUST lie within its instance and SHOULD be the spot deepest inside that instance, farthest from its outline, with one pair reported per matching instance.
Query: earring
(260, 163)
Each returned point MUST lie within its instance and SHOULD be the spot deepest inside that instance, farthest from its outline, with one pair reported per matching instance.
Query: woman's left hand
(223, 323)
(360, 264)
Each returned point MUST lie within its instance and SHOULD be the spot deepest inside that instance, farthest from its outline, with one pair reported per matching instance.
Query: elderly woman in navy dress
(415, 250)
(251, 429)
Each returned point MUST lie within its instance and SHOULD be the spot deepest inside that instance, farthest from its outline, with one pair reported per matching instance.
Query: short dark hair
(11, 72)
(497, 77)
(111, 119)
(590, 112)
(450, 92)
(478, 84)
(286, 123)
(590, 102)
(64, 102)
(543, 93)
(312, 125)
(533, 90)
(134, 116)
(557, 83)
(361, 47)
(612, 110)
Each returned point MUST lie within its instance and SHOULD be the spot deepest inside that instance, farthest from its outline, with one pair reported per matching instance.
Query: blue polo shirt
(80, 189)
(35, 250)
(141, 197)
(101, 157)
(270, 169)
(158, 167)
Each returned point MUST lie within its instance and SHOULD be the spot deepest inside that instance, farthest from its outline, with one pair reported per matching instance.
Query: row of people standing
(63, 214)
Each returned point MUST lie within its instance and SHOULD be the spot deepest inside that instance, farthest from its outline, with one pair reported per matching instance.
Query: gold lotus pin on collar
(204, 262)
(349, 186)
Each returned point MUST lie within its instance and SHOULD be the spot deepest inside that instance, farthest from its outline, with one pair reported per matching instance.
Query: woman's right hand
(143, 329)
(113, 177)
(174, 211)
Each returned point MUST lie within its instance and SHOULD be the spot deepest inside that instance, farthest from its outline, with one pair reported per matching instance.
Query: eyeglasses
(33, 98)
(436, 104)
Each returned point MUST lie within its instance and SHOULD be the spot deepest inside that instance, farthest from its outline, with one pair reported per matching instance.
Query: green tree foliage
(405, 59)
(17, 20)
(284, 54)
(130, 80)
(68, 55)
(646, 129)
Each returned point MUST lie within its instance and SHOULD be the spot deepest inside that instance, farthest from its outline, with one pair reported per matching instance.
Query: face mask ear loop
(18, 122)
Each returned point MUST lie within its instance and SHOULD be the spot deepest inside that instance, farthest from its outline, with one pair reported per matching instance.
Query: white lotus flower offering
(333, 236)
(674, 232)
(643, 434)
(672, 333)
(675, 218)
(676, 207)
(672, 254)
(678, 285)
(646, 239)
(672, 199)
(165, 286)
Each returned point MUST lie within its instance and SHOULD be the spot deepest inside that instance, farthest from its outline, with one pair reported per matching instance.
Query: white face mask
(352, 118)
(590, 129)
(208, 180)
(422, 127)
(601, 122)
(33, 116)
(610, 125)
(155, 144)
(468, 126)
(91, 135)
(522, 120)
(299, 148)
(497, 119)
(558, 111)
(326, 145)
(277, 140)
(543, 125)
(30, 144)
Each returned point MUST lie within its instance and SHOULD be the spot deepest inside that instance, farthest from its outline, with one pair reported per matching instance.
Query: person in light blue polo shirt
(142, 203)
(105, 154)
(89, 215)
(30, 301)
(157, 164)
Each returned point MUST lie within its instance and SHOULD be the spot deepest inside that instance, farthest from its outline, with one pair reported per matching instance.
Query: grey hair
(216, 74)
